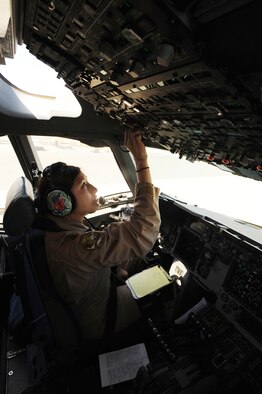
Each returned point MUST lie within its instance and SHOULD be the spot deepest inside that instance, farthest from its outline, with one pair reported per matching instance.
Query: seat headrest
(19, 207)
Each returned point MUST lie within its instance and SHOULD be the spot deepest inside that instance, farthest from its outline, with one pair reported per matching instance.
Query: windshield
(197, 183)
(98, 164)
(207, 186)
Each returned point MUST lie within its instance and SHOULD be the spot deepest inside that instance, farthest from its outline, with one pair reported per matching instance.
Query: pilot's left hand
(121, 275)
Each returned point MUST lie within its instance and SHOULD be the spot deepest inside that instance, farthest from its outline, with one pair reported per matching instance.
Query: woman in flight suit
(80, 258)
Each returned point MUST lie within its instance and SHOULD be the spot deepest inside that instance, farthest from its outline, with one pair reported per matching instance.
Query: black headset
(58, 200)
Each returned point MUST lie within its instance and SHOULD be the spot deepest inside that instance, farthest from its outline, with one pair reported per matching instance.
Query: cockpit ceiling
(188, 71)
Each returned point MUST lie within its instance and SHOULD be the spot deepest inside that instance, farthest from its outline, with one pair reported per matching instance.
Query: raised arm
(133, 141)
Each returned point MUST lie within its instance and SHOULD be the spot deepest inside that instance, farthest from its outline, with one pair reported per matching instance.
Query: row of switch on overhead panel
(142, 64)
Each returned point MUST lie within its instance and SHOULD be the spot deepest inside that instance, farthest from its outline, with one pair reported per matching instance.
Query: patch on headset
(91, 240)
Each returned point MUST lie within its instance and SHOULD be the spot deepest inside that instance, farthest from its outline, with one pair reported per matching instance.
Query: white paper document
(122, 365)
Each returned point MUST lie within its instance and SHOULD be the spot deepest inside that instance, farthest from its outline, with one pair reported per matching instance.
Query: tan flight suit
(80, 258)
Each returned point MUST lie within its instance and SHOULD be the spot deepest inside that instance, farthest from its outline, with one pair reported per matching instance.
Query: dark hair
(58, 175)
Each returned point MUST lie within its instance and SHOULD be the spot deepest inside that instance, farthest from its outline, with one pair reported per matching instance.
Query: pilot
(80, 259)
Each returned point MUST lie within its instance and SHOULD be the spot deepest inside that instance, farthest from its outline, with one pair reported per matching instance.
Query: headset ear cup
(59, 202)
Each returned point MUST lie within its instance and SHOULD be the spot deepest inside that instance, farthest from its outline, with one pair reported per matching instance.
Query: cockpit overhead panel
(188, 72)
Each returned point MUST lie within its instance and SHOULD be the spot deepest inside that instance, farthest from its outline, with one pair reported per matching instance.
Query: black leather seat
(52, 333)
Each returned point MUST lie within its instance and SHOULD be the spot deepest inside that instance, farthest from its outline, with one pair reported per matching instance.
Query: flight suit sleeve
(119, 242)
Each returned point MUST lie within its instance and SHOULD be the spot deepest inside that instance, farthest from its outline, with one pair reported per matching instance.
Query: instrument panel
(222, 260)
(227, 332)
